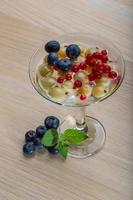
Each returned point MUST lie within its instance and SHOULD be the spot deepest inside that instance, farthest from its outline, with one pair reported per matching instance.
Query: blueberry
(40, 148)
(52, 59)
(38, 145)
(40, 131)
(37, 141)
(73, 51)
(30, 136)
(53, 150)
(51, 122)
(29, 149)
(64, 64)
(52, 46)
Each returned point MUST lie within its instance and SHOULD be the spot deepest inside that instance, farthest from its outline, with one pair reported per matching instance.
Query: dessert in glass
(76, 70)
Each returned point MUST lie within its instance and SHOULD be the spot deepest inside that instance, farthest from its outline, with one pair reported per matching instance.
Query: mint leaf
(63, 150)
(62, 137)
(74, 136)
(50, 138)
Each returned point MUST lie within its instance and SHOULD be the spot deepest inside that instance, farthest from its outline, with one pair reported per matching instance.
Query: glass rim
(79, 34)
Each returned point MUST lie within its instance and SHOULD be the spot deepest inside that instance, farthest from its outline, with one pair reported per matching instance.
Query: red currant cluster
(98, 62)
(61, 79)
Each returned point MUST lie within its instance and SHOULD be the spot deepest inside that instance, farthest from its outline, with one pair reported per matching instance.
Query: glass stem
(80, 120)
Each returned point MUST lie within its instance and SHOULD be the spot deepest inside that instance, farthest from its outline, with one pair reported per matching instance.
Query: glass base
(96, 137)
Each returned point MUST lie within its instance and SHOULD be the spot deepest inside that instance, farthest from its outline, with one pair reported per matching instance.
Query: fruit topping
(58, 93)
(77, 83)
(99, 91)
(46, 83)
(74, 72)
(52, 59)
(112, 75)
(80, 76)
(60, 80)
(67, 85)
(83, 66)
(43, 70)
(104, 81)
(64, 64)
(91, 77)
(68, 76)
(106, 69)
(75, 68)
(86, 89)
(83, 97)
(73, 51)
(52, 46)
(104, 52)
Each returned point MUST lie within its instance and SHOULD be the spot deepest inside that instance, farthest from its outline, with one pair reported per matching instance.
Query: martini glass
(88, 125)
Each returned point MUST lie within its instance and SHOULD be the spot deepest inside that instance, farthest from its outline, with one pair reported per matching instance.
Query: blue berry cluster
(33, 138)
(65, 64)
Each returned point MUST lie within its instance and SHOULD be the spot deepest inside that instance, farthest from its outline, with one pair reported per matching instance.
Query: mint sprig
(62, 141)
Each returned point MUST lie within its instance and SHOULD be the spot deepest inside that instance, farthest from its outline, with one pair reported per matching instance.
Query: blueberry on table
(73, 51)
(52, 46)
(52, 59)
(53, 150)
(37, 141)
(40, 131)
(51, 122)
(64, 64)
(29, 149)
(40, 148)
(30, 136)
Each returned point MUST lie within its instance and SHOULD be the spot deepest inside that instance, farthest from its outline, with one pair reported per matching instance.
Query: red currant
(77, 83)
(96, 55)
(75, 68)
(60, 80)
(91, 77)
(82, 66)
(68, 77)
(83, 97)
(91, 62)
(97, 74)
(106, 69)
(104, 58)
(104, 52)
(56, 67)
(99, 67)
(112, 74)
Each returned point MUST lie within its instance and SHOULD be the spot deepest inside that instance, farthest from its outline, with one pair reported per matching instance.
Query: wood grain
(109, 174)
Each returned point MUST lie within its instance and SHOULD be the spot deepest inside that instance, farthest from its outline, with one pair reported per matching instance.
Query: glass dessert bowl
(76, 71)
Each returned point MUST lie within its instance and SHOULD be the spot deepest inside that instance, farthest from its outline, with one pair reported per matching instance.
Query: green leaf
(50, 138)
(63, 150)
(74, 136)
(62, 137)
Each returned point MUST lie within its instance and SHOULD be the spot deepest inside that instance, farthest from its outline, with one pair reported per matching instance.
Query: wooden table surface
(109, 174)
